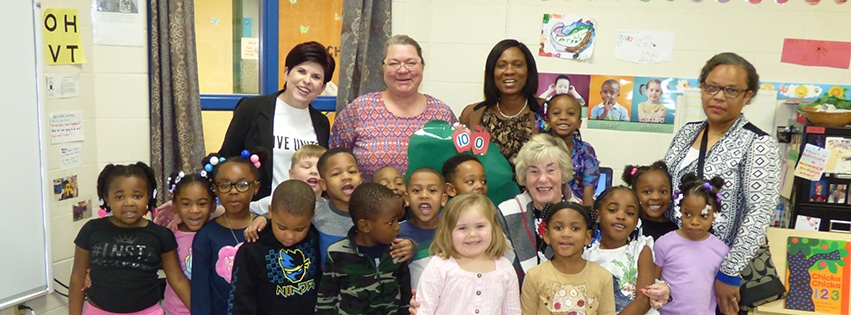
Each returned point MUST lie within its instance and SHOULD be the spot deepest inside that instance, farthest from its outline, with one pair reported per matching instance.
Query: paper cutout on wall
(567, 37)
(303, 29)
(823, 53)
(644, 46)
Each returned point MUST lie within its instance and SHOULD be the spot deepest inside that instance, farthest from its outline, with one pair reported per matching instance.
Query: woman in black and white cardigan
(746, 157)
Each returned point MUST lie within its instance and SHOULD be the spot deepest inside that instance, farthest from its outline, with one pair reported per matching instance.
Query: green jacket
(353, 284)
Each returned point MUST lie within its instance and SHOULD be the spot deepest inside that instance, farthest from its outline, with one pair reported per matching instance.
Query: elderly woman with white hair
(543, 166)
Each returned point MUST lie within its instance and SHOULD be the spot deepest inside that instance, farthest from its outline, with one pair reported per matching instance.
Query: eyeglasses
(240, 186)
(729, 91)
(396, 65)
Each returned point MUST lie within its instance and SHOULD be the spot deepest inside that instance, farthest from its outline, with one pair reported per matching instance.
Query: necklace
(512, 116)
(230, 227)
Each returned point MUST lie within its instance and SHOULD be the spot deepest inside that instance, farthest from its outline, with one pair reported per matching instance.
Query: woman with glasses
(377, 126)
(508, 111)
(747, 158)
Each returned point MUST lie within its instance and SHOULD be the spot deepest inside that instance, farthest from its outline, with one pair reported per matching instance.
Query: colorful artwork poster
(567, 37)
(654, 100)
(805, 91)
(577, 85)
(817, 275)
(610, 106)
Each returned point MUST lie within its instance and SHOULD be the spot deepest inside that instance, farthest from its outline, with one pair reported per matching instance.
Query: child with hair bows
(689, 258)
(235, 182)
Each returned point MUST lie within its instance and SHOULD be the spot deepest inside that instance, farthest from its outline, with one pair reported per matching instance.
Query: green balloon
(432, 145)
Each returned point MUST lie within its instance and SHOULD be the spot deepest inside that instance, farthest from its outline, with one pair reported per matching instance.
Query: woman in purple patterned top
(377, 126)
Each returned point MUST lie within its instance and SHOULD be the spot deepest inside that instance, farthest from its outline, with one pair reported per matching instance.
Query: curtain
(366, 27)
(177, 139)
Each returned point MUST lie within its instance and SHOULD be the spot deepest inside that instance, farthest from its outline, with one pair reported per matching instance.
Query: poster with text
(62, 33)
(118, 23)
(577, 85)
(567, 37)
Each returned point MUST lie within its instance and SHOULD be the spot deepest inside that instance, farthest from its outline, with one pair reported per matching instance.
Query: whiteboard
(26, 264)
(760, 112)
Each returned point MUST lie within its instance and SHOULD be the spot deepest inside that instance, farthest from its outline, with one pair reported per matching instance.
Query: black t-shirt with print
(124, 264)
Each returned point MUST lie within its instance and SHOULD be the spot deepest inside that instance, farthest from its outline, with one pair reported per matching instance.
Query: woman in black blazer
(309, 67)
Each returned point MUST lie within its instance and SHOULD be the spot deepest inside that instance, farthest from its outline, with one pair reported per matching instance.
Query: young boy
(339, 176)
(426, 197)
(280, 271)
(464, 173)
(609, 109)
(359, 276)
(390, 177)
(303, 168)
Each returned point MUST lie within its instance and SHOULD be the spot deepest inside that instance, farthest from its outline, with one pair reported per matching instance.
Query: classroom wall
(456, 36)
(114, 101)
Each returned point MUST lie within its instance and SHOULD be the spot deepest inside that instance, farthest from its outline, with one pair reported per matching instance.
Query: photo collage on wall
(624, 103)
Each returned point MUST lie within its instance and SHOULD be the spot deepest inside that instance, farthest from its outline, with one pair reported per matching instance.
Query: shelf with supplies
(824, 204)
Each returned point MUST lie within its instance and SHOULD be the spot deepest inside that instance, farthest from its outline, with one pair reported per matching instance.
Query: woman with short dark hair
(284, 121)
(747, 158)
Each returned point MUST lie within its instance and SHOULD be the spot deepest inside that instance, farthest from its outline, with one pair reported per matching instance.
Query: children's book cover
(817, 275)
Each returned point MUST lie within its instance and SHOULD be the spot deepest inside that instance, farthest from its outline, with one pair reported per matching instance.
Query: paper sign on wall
(66, 127)
(250, 48)
(63, 44)
(118, 22)
(69, 157)
(813, 162)
(644, 46)
(816, 53)
(63, 85)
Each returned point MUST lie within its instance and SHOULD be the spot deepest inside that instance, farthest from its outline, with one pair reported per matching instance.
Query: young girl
(235, 182)
(622, 251)
(468, 273)
(652, 183)
(568, 283)
(124, 251)
(652, 110)
(562, 116)
(193, 199)
(690, 258)
(464, 173)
